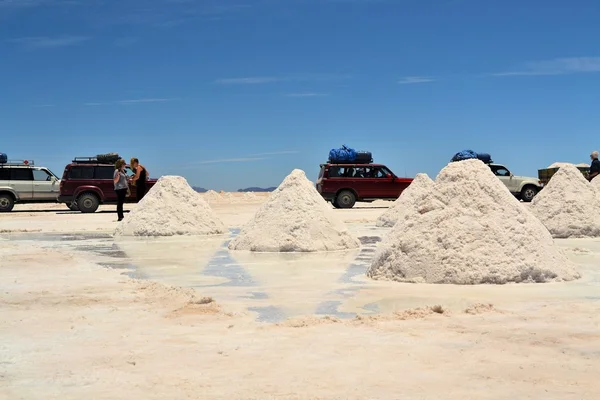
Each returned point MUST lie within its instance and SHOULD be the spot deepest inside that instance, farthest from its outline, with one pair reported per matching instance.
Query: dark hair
(120, 162)
(134, 160)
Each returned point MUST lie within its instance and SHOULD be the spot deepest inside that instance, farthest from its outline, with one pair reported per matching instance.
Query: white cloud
(408, 80)
(49, 42)
(146, 100)
(255, 80)
(309, 94)
(275, 153)
(557, 66)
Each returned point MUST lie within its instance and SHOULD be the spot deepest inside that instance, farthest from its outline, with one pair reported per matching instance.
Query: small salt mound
(469, 229)
(295, 218)
(568, 205)
(421, 184)
(212, 196)
(171, 208)
(562, 164)
(249, 196)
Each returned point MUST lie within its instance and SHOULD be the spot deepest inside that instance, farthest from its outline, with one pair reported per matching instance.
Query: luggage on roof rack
(3, 158)
(108, 157)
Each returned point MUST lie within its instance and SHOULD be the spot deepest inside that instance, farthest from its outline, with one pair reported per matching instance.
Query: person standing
(121, 186)
(595, 166)
(139, 179)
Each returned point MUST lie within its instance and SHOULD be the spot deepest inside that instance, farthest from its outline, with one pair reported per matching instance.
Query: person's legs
(121, 194)
(140, 192)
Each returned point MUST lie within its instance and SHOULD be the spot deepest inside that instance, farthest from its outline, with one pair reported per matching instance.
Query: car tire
(345, 199)
(7, 202)
(528, 193)
(334, 203)
(73, 206)
(88, 203)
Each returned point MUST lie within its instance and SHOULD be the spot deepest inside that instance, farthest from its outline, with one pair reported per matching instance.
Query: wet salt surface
(280, 286)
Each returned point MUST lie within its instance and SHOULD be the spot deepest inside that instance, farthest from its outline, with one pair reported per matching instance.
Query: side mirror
(388, 176)
(53, 179)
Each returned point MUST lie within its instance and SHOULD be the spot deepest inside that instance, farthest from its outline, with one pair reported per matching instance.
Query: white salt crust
(295, 218)
(468, 229)
(171, 208)
(421, 184)
(568, 206)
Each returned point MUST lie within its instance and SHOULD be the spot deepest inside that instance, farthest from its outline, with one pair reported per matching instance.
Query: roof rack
(18, 163)
(85, 160)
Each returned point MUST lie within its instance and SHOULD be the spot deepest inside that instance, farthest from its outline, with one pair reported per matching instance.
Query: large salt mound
(295, 218)
(420, 185)
(469, 230)
(568, 205)
(171, 208)
(562, 164)
(596, 183)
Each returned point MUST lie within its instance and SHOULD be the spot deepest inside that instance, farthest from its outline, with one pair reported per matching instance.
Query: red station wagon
(345, 184)
(87, 183)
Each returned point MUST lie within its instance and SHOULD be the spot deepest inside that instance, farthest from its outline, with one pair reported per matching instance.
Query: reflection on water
(276, 286)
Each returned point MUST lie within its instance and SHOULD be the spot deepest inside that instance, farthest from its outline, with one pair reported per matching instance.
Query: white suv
(524, 188)
(22, 182)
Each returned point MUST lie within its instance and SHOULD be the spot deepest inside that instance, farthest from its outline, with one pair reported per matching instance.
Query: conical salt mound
(421, 184)
(568, 206)
(171, 208)
(294, 218)
(469, 229)
(596, 183)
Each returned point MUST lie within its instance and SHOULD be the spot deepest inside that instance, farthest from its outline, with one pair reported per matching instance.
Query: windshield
(52, 173)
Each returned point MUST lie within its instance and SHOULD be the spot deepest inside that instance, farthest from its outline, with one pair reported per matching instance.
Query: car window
(41, 175)
(335, 172)
(500, 171)
(21, 174)
(129, 171)
(81, 173)
(4, 174)
(105, 172)
(321, 172)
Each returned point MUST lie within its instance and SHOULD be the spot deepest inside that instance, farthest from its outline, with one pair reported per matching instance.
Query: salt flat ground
(86, 316)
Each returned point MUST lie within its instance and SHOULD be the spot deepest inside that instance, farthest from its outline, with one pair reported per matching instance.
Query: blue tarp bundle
(468, 154)
(343, 154)
(3, 158)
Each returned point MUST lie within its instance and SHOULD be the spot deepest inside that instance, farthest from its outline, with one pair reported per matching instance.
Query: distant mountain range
(257, 189)
(250, 189)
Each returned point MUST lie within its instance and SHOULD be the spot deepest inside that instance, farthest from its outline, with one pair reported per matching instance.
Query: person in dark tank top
(140, 178)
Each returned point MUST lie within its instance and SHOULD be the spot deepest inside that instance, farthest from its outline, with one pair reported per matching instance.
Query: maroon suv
(345, 184)
(87, 183)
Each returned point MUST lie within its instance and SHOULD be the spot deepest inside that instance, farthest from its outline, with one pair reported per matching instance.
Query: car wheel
(335, 203)
(88, 203)
(528, 193)
(6, 202)
(345, 199)
(73, 206)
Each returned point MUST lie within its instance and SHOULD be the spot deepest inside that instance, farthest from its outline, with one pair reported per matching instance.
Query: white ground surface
(75, 325)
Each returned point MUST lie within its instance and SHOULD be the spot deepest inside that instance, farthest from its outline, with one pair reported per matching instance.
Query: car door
(386, 187)
(103, 178)
(45, 186)
(21, 181)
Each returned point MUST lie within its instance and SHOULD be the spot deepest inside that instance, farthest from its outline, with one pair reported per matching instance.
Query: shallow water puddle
(277, 286)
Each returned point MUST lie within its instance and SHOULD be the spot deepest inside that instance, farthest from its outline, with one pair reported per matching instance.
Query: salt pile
(250, 196)
(212, 196)
(470, 230)
(420, 185)
(295, 218)
(562, 164)
(171, 208)
(568, 205)
(596, 183)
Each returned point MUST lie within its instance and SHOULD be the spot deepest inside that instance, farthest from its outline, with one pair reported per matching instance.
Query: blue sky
(237, 93)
